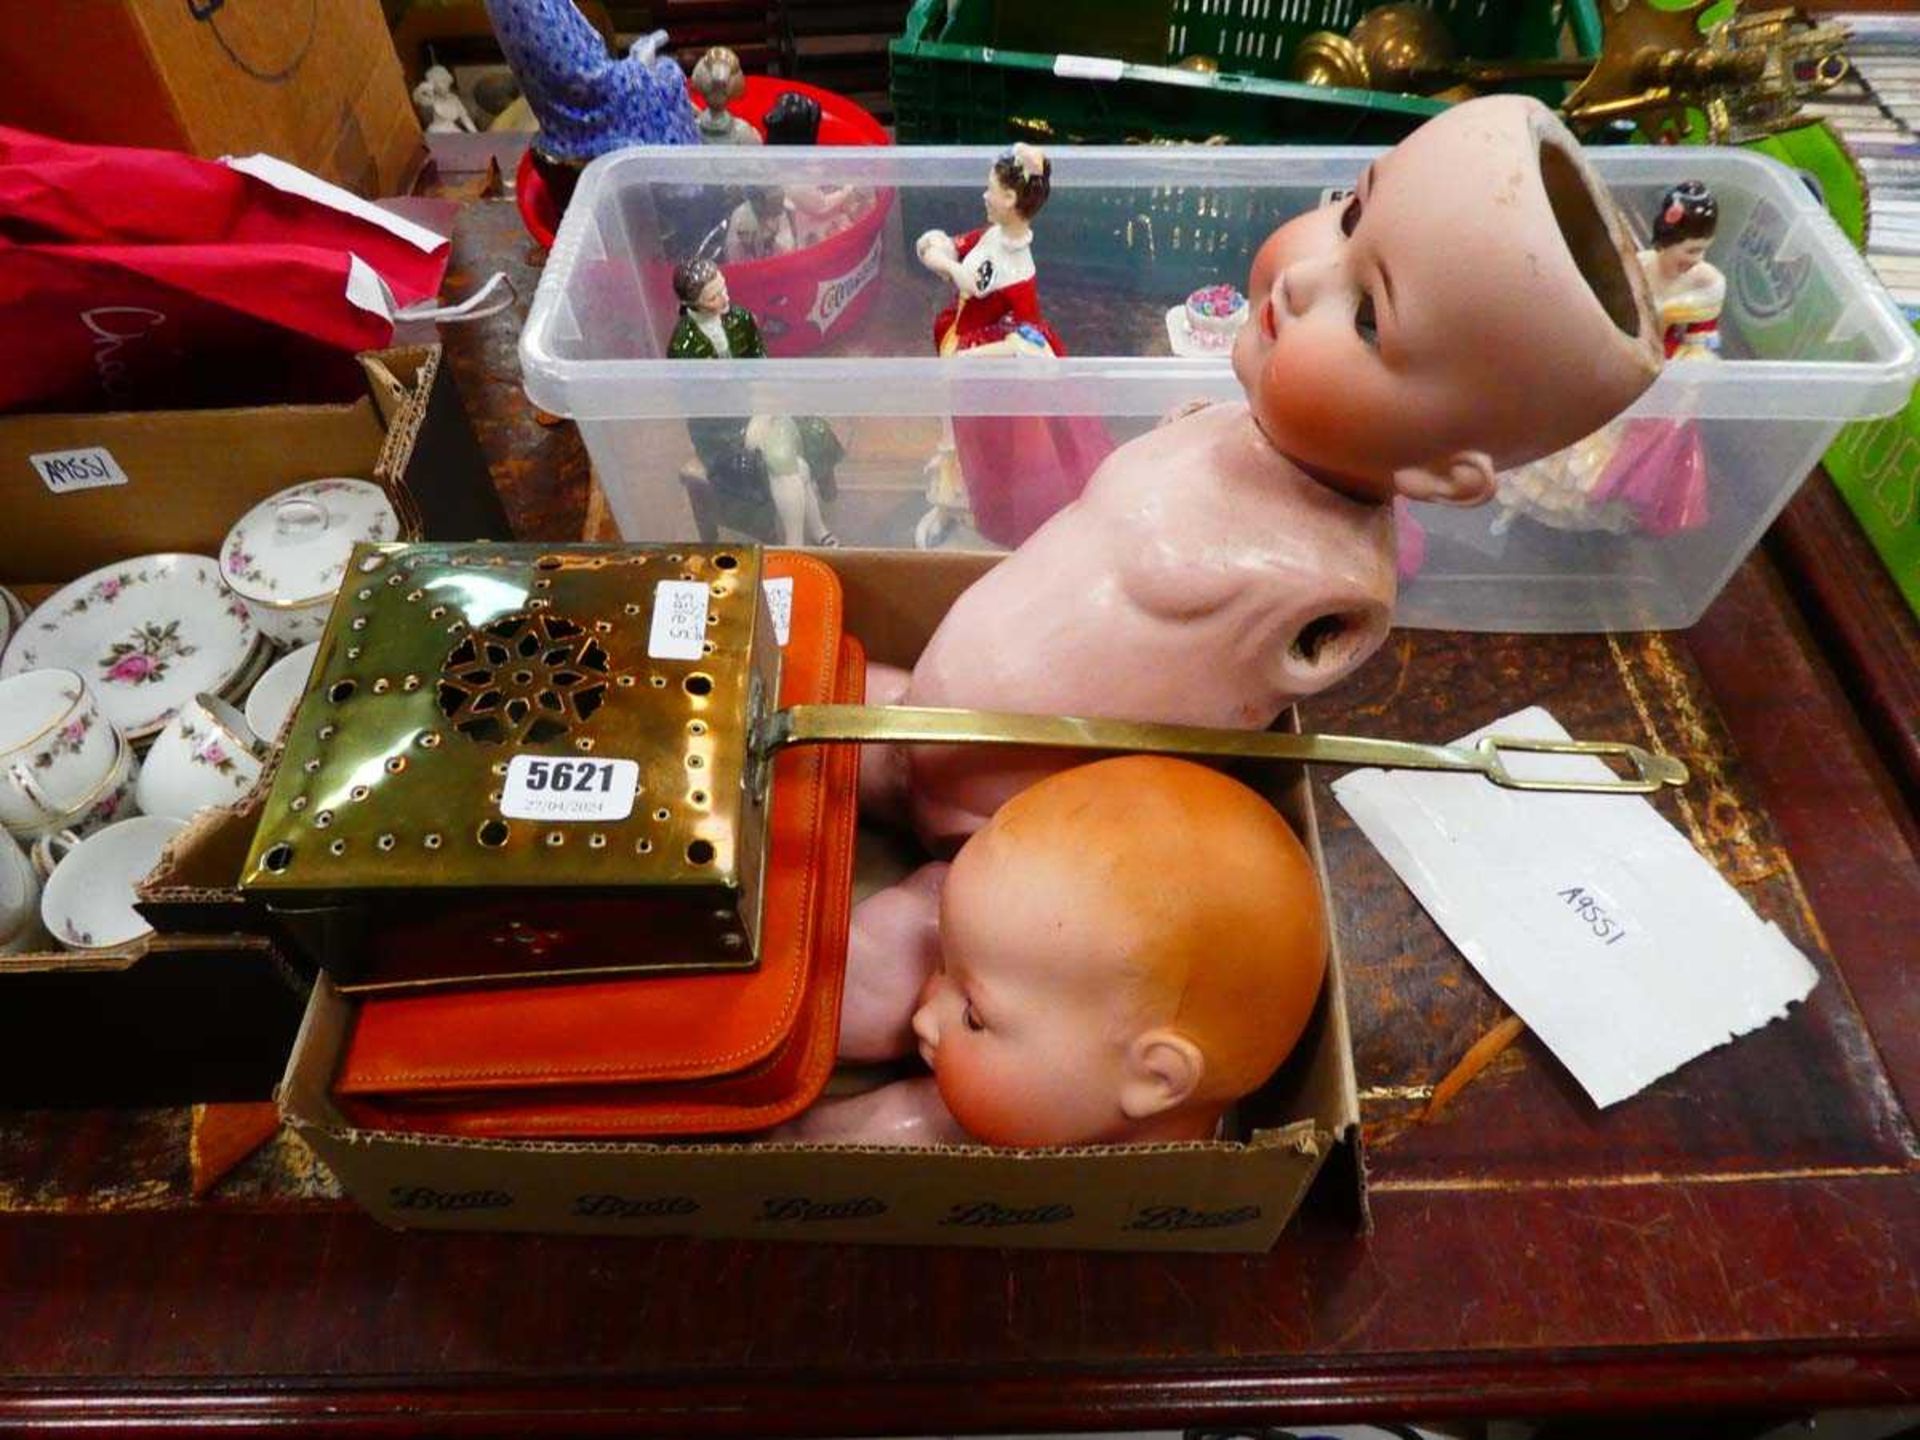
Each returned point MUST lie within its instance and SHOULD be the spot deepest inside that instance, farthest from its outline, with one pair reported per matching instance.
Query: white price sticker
(779, 595)
(1088, 67)
(1333, 193)
(89, 469)
(543, 787)
(679, 621)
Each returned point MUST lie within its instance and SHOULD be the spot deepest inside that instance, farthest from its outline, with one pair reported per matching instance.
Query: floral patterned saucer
(287, 555)
(148, 634)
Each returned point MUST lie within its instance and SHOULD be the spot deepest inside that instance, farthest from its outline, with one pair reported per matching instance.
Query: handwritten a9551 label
(1606, 929)
(543, 787)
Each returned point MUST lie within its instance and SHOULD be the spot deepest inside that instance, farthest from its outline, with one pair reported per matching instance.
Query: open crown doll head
(1127, 948)
(1475, 304)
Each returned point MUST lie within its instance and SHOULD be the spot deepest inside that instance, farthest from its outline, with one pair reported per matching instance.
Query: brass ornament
(1326, 58)
(1747, 75)
(1406, 46)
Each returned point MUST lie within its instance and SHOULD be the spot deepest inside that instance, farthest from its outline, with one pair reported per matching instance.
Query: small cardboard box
(315, 82)
(197, 1011)
(1222, 1195)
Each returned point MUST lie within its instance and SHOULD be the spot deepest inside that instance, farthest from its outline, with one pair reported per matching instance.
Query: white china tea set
(157, 654)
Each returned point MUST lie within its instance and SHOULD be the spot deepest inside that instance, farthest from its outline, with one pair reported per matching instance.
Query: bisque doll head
(1127, 948)
(1475, 304)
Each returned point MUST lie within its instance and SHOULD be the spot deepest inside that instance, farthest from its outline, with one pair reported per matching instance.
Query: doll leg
(883, 768)
(893, 947)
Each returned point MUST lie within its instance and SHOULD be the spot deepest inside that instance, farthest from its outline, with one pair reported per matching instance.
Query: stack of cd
(1877, 113)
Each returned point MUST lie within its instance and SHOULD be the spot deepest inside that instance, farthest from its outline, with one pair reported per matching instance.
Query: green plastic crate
(951, 87)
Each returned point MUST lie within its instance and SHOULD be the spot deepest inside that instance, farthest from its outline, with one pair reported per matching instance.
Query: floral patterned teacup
(206, 756)
(19, 901)
(88, 900)
(57, 751)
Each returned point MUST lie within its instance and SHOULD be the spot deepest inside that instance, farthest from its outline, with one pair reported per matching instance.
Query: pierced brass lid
(443, 663)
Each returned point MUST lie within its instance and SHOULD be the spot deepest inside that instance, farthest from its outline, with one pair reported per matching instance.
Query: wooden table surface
(1744, 1236)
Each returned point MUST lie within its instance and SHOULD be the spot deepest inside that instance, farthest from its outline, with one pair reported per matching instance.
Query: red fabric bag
(139, 278)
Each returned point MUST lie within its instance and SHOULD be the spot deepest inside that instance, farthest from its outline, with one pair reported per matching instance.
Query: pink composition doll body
(1476, 303)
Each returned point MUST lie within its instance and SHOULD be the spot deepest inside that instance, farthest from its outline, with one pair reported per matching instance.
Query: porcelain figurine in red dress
(1008, 473)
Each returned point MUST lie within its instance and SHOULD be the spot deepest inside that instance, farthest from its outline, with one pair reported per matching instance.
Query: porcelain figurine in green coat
(770, 473)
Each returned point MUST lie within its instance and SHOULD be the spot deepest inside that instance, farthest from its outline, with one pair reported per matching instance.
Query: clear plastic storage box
(1809, 341)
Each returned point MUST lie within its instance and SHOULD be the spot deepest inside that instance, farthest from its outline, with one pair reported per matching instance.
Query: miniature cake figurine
(1208, 323)
(1119, 955)
(718, 79)
(1648, 474)
(767, 474)
(1014, 472)
(1474, 305)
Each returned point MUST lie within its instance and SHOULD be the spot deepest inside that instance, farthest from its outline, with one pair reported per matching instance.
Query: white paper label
(1615, 940)
(679, 621)
(546, 787)
(1333, 193)
(1088, 67)
(779, 595)
(89, 469)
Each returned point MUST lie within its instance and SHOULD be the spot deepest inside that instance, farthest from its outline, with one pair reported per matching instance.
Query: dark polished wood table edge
(944, 1399)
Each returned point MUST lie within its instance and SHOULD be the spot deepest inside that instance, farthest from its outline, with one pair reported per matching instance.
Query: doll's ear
(1164, 1068)
(1463, 478)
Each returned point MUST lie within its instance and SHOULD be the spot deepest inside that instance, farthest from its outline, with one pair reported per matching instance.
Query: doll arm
(893, 948)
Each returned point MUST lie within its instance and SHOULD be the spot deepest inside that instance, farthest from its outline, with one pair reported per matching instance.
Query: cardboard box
(315, 82)
(1226, 1195)
(204, 1008)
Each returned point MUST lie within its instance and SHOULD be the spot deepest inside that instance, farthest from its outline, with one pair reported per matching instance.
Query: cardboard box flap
(195, 887)
(430, 452)
(1202, 1196)
(189, 474)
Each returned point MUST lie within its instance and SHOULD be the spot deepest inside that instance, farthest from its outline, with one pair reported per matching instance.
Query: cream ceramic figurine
(718, 79)
(441, 109)
(1120, 954)
(761, 226)
(1475, 304)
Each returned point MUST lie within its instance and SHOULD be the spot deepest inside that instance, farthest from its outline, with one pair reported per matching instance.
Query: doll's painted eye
(1350, 217)
(1363, 322)
(969, 1019)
